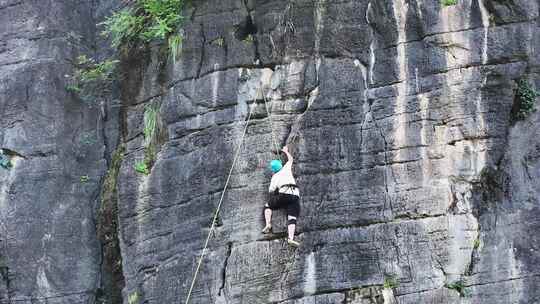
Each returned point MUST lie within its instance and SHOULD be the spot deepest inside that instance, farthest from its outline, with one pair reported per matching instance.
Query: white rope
(270, 120)
(218, 208)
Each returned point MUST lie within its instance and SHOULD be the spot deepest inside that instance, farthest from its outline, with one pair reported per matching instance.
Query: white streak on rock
(371, 60)
(319, 13)
(310, 274)
(462, 231)
(485, 25)
(364, 71)
(215, 87)
(42, 282)
(388, 296)
(417, 86)
(400, 12)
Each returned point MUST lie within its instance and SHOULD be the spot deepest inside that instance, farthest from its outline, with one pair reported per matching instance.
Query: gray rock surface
(58, 147)
(398, 113)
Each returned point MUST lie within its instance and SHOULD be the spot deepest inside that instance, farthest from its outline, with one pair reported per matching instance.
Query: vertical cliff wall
(418, 184)
(58, 146)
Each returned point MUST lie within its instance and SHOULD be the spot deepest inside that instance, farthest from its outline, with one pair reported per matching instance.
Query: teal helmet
(275, 165)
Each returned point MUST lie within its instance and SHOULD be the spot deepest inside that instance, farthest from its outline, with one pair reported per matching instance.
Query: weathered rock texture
(399, 115)
(49, 247)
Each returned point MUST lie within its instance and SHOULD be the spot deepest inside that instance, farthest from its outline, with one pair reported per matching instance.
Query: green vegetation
(150, 132)
(163, 17)
(109, 184)
(146, 21)
(91, 77)
(526, 97)
(476, 243)
(107, 230)
(449, 2)
(143, 22)
(460, 287)
(84, 179)
(150, 123)
(142, 168)
(133, 298)
(249, 39)
(219, 42)
(5, 162)
(175, 47)
(122, 26)
(73, 88)
(390, 282)
(92, 71)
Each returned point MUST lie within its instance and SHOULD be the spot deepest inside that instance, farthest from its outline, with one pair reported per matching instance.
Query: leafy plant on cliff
(525, 98)
(390, 282)
(164, 17)
(146, 21)
(459, 286)
(150, 132)
(476, 243)
(91, 78)
(133, 298)
(92, 71)
(449, 2)
(249, 39)
(150, 123)
(141, 167)
(122, 26)
(219, 42)
(175, 46)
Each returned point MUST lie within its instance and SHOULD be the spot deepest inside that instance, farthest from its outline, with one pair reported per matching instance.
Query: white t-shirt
(284, 177)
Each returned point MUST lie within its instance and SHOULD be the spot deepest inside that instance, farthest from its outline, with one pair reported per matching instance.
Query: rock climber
(285, 195)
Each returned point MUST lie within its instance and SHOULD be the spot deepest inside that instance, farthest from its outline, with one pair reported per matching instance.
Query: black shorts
(289, 201)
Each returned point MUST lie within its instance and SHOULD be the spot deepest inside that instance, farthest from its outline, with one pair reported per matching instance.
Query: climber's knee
(291, 221)
(266, 206)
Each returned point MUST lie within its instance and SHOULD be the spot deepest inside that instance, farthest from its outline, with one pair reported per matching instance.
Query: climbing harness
(238, 149)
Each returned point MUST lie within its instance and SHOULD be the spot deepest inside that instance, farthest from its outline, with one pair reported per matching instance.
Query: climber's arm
(290, 158)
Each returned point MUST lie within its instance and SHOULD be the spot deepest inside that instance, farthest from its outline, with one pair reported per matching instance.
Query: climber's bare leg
(291, 226)
(268, 219)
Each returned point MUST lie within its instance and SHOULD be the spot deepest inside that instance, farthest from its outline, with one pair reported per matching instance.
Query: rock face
(58, 147)
(418, 184)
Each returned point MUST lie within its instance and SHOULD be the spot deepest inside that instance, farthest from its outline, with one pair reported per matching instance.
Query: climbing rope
(238, 149)
(218, 208)
(270, 121)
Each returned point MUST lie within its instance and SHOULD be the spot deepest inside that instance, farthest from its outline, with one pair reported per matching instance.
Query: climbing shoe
(293, 243)
(267, 230)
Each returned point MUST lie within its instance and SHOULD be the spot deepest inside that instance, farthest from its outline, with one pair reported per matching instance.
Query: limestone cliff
(418, 182)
